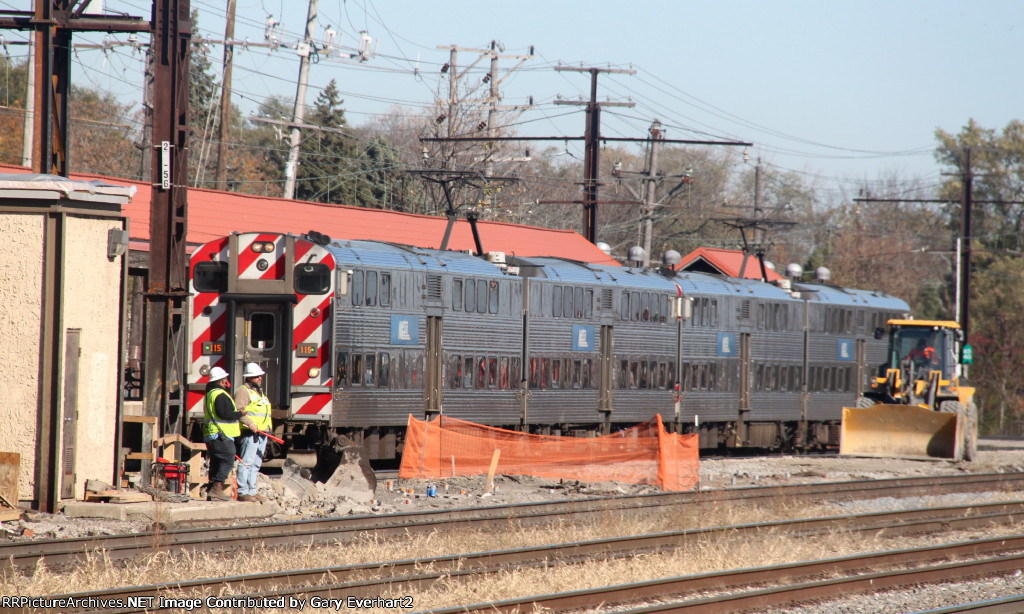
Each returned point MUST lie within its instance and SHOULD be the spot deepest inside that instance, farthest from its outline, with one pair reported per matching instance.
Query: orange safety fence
(643, 454)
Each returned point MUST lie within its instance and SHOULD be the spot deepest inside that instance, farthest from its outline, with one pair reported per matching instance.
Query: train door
(432, 374)
(744, 397)
(260, 336)
(606, 381)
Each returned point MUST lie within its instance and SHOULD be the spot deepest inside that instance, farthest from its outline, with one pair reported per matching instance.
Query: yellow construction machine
(916, 407)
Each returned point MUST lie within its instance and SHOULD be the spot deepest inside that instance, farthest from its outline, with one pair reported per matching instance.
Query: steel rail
(404, 575)
(787, 594)
(25, 555)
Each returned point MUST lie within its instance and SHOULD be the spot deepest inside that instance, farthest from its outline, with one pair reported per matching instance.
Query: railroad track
(26, 555)
(369, 581)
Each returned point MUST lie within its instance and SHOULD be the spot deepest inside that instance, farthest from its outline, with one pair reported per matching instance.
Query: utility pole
(299, 110)
(652, 177)
(224, 129)
(592, 143)
(30, 105)
(965, 244)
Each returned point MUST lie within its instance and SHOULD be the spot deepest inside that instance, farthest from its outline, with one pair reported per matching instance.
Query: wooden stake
(489, 485)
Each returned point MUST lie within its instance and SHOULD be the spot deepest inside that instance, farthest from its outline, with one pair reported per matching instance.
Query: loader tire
(971, 433)
(956, 407)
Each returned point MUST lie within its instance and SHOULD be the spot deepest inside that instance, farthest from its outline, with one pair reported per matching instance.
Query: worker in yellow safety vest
(220, 430)
(252, 445)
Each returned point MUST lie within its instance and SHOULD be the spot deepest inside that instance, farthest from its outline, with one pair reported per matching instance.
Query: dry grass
(701, 555)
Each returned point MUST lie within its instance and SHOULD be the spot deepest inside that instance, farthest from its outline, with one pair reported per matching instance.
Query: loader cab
(928, 346)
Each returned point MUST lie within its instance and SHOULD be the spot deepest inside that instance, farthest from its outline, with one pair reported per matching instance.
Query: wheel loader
(916, 407)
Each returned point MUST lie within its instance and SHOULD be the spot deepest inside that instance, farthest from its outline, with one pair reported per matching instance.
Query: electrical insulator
(481, 125)
(487, 78)
(441, 118)
(444, 68)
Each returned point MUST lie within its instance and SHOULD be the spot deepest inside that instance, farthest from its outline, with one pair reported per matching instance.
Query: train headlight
(262, 264)
(257, 246)
(314, 372)
(204, 370)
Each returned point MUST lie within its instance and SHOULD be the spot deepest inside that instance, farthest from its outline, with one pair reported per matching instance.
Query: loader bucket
(900, 431)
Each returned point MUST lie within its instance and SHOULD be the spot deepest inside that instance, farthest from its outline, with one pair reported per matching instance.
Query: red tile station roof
(726, 261)
(213, 214)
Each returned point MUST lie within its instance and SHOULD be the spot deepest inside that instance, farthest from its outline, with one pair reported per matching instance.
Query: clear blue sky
(836, 90)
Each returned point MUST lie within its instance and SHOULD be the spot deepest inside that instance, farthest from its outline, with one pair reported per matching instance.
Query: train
(355, 336)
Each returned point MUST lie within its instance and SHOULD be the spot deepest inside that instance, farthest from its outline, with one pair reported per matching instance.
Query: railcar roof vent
(434, 287)
(745, 309)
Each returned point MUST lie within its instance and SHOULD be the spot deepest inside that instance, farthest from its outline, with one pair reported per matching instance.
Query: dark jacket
(222, 405)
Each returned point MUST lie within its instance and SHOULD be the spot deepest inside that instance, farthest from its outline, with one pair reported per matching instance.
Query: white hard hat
(217, 374)
(252, 370)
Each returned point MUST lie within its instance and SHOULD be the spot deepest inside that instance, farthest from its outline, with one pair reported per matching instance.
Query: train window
(492, 305)
(312, 278)
(714, 312)
(481, 373)
(415, 370)
(357, 369)
(492, 372)
(556, 301)
(624, 374)
(587, 380)
(467, 372)
(577, 302)
(556, 370)
(624, 314)
(342, 366)
(210, 277)
(371, 288)
(534, 373)
(634, 303)
(645, 306)
(712, 369)
(634, 374)
(370, 370)
(357, 288)
(455, 371)
(545, 373)
(644, 379)
(503, 373)
(481, 296)
(383, 378)
(577, 374)
(588, 303)
(515, 372)
(457, 294)
(567, 310)
(696, 310)
(385, 289)
(470, 295)
(670, 376)
(759, 378)
(262, 331)
(396, 375)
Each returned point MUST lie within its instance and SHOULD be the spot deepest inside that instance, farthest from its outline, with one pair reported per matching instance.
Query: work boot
(260, 498)
(218, 492)
(246, 498)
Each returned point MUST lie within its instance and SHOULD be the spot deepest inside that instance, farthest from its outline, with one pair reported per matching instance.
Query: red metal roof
(727, 262)
(213, 214)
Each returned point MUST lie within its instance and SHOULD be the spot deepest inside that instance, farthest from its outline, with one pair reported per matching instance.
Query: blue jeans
(250, 448)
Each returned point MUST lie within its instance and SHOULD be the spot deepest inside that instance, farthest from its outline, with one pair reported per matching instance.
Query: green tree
(997, 337)
(329, 167)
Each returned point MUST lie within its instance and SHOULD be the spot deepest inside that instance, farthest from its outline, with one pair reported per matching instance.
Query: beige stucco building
(62, 287)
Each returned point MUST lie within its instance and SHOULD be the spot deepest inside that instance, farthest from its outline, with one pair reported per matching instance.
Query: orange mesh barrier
(643, 454)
